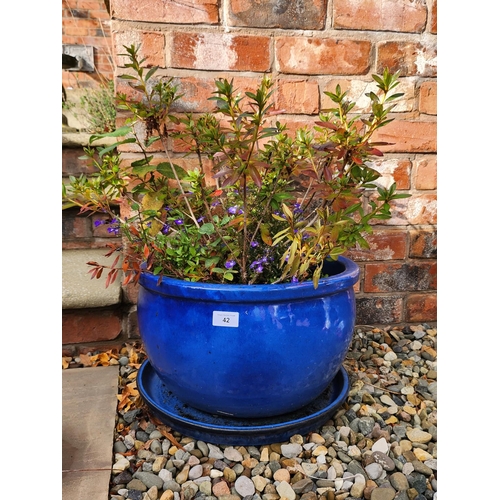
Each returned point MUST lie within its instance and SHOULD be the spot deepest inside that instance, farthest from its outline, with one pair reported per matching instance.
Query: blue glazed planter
(248, 351)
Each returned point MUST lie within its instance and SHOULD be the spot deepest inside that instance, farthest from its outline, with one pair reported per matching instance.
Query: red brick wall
(309, 47)
(87, 22)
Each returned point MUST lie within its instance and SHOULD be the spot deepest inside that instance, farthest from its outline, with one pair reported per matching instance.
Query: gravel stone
(244, 486)
(291, 450)
(381, 444)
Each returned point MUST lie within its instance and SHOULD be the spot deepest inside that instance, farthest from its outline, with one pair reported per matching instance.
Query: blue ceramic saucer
(228, 430)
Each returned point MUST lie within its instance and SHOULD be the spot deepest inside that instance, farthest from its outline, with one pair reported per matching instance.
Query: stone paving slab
(88, 420)
(78, 289)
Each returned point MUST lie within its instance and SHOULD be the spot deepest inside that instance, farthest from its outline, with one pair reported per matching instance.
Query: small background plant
(95, 109)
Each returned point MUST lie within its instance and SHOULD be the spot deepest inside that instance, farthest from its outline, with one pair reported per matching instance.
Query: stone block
(78, 289)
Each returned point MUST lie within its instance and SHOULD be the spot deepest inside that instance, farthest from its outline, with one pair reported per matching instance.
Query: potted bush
(246, 305)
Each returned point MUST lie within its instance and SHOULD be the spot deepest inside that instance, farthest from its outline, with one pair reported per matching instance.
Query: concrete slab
(78, 289)
(88, 421)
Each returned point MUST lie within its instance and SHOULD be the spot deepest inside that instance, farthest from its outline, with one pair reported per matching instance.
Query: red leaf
(327, 125)
(327, 174)
(375, 152)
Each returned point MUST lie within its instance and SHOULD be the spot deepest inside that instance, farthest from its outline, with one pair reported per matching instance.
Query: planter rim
(250, 293)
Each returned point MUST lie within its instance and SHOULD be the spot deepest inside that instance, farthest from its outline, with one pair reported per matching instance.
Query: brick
(297, 96)
(122, 87)
(76, 31)
(294, 123)
(408, 136)
(78, 14)
(220, 51)
(90, 325)
(357, 89)
(75, 226)
(425, 172)
(384, 245)
(130, 324)
(100, 14)
(423, 244)
(418, 209)
(322, 56)
(400, 277)
(73, 165)
(285, 14)
(421, 209)
(412, 59)
(167, 11)
(196, 92)
(88, 23)
(152, 46)
(393, 170)
(91, 5)
(130, 293)
(380, 15)
(433, 23)
(379, 310)
(421, 308)
(428, 98)
(99, 32)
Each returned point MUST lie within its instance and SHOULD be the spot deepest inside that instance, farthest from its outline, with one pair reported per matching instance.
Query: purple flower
(200, 219)
(179, 222)
(165, 229)
(254, 243)
(97, 223)
(257, 266)
(230, 264)
(295, 279)
(233, 210)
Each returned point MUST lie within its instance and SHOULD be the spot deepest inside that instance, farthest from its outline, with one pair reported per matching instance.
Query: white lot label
(223, 318)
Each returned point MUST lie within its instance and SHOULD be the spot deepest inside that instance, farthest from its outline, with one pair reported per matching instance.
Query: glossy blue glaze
(222, 429)
(288, 345)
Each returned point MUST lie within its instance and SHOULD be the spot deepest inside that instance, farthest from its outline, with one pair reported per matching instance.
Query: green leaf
(119, 132)
(141, 162)
(150, 73)
(106, 150)
(165, 168)
(142, 170)
(207, 228)
(127, 77)
(152, 140)
(211, 261)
